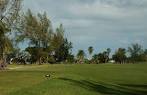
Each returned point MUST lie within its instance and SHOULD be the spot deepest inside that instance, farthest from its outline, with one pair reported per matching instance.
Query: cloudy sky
(97, 23)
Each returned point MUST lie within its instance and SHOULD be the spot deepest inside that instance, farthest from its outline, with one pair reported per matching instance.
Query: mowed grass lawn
(75, 79)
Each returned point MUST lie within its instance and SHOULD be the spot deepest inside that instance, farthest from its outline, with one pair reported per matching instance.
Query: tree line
(45, 44)
(133, 54)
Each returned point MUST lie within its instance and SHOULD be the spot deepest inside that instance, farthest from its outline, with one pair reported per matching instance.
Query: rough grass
(69, 79)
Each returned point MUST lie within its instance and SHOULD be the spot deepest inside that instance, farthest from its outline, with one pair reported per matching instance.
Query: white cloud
(95, 9)
(107, 9)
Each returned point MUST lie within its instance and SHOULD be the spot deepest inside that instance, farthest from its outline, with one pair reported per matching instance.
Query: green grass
(66, 79)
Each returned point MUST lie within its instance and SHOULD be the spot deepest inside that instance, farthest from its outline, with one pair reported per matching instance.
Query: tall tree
(90, 50)
(64, 51)
(108, 51)
(57, 38)
(9, 13)
(104, 56)
(135, 51)
(120, 55)
(95, 58)
(80, 56)
(37, 29)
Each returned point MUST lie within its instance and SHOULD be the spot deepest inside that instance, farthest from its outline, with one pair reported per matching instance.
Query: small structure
(112, 61)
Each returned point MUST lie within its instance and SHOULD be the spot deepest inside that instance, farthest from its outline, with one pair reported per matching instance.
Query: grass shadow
(134, 86)
(104, 88)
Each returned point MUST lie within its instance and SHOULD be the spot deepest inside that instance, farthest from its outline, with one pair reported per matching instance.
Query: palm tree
(108, 54)
(80, 56)
(135, 51)
(90, 50)
(120, 55)
(108, 51)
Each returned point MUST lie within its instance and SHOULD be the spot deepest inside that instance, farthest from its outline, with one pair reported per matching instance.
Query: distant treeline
(133, 54)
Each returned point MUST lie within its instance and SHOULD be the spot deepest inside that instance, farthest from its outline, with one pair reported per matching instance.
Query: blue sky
(97, 23)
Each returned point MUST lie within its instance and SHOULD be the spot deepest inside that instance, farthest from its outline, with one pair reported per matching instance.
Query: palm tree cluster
(135, 53)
